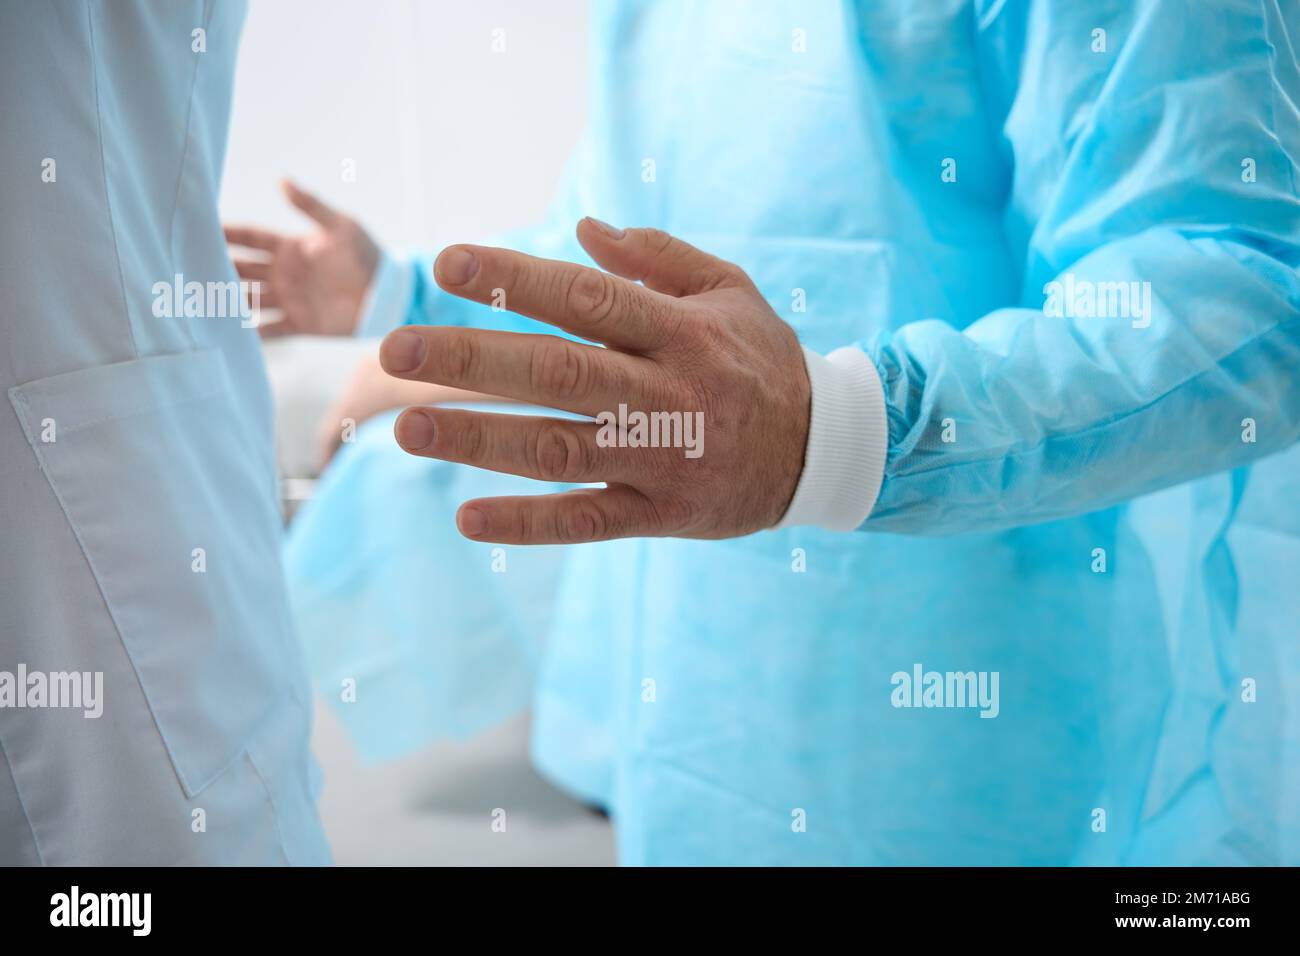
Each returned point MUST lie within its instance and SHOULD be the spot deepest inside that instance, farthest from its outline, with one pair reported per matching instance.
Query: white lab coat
(139, 529)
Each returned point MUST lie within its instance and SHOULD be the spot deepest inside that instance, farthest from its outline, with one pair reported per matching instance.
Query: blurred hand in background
(317, 281)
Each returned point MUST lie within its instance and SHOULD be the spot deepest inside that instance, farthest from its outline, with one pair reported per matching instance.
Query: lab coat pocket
(173, 506)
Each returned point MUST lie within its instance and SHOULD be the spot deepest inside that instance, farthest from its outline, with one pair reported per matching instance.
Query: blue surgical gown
(1095, 501)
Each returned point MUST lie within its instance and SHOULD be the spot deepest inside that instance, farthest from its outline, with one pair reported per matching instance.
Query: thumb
(663, 262)
(314, 207)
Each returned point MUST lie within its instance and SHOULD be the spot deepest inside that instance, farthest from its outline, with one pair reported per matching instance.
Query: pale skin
(318, 282)
(678, 330)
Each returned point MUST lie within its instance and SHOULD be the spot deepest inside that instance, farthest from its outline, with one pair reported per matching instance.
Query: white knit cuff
(844, 459)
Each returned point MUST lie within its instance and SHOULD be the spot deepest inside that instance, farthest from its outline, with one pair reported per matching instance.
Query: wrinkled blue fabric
(413, 644)
(1099, 506)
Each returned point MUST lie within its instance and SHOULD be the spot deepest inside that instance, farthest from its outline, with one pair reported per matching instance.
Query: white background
(451, 141)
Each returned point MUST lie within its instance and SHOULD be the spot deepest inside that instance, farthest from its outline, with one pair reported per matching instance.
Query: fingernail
(612, 231)
(457, 266)
(414, 431)
(472, 522)
(402, 351)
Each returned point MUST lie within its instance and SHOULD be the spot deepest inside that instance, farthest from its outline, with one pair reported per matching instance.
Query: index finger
(586, 302)
(251, 237)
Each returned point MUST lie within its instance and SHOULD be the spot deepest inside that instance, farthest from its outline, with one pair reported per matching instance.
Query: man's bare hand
(687, 335)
